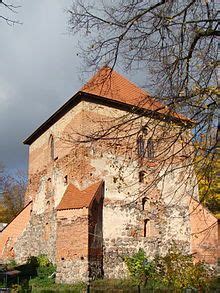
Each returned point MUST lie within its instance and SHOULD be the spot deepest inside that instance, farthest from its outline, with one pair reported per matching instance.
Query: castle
(108, 174)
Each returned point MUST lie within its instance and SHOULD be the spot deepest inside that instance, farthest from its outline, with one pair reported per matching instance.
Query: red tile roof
(111, 85)
(74, 198)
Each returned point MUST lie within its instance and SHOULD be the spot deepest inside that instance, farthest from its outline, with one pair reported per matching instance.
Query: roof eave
(52, 119)
(101, 100)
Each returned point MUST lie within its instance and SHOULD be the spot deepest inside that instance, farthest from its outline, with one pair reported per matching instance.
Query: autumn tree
(12, 191)
(174, 43)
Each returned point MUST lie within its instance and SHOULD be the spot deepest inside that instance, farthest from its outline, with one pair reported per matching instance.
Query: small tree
(141, 269)
(12, 195)
(178, 270)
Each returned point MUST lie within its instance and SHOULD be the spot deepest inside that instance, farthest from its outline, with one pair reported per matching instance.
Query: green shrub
(179, 271)
(45, 273)
(140, 268)
(175, 271)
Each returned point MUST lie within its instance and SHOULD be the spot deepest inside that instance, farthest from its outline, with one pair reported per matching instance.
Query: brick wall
(65, 239)
(13, 231)
(204, 233)
(72, 245)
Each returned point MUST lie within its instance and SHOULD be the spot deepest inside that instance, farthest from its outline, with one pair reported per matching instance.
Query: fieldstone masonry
(89, 204)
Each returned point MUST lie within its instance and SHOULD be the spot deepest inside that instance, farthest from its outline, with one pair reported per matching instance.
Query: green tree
(208, 175)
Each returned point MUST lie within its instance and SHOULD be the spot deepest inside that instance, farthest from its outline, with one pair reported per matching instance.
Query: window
(65, 179)
(144, 129)
(145, 227)
(150, 148)
(51, 146)
(140, 146)
(144, 200)
(141, 176)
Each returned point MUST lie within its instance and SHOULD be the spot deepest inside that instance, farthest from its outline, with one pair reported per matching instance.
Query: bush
(175, 270)
(179, 270)
(45, 273)
(140, 268)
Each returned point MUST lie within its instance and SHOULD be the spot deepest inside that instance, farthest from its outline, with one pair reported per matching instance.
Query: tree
(5, 7)
(175, 43)
(12, 192)
(208, 178)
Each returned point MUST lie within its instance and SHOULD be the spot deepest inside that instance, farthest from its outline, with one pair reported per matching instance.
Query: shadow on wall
(95, 249)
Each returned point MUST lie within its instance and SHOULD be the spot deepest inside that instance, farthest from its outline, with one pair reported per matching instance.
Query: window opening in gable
(140, 146)
(52, 148)
(150, 148)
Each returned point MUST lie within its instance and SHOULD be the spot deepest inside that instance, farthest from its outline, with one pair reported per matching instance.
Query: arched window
(140, 146)
(144, 200)
(150, 148)
(51, 147)
(145, 227)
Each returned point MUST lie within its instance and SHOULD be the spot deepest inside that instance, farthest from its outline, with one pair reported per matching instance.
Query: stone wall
(147, 214)
(38, 238)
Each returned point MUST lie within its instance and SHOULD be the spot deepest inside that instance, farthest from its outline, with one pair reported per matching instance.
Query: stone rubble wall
(166, 210)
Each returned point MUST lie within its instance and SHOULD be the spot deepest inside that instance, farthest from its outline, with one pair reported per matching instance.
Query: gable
(112, 89)
(74, 198)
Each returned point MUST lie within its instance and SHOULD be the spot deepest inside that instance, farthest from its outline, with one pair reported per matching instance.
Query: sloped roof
(109, 87)
(74, 198)
(112, 85)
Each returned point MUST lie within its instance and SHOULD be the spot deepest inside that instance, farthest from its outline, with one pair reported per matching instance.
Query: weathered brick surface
(12, 232)
(205, 236)
(72, 235)
(89, 241)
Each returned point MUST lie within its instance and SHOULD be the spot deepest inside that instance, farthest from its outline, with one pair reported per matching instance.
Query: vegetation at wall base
(174, 272)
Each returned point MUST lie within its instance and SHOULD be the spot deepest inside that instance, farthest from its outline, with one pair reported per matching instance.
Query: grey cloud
(39, 70)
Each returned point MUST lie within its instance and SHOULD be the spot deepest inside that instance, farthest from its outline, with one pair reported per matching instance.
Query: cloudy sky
(39, 71)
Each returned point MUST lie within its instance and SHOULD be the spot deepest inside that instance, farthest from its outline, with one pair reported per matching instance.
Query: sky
(39, 71)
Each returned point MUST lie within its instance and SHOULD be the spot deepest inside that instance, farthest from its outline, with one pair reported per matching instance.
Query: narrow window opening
(51, 145)
(144, 200)
(65, 179)
(141, 176)
(150, 148)
(140, 146)
(144, 129)
(145, 227)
